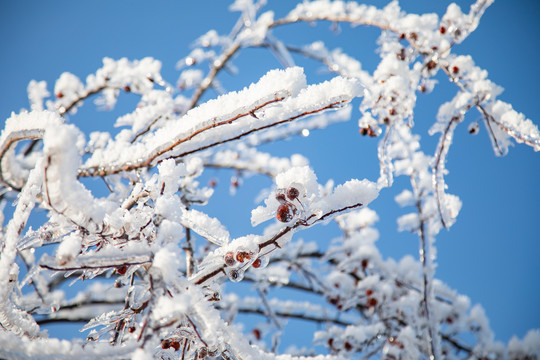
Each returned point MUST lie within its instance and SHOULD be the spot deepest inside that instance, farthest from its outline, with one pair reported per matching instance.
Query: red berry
(131, 329)
(364, 263)
(121, 269)
(165, 344)
(455, 69)
(392, 111)
(257, 263)
(257, 334)
(442, 29)
(372, 302)
(59, 95)
(127, 88)
(175, 344)
(369, 292)
(364, 131)
(229, 259)
(347, 346)
(431, 65)
(242, 256)
(281, 198)
(284, 213)
(292, 193)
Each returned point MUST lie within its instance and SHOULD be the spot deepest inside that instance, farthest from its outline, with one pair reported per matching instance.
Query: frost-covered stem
(440, 158)
(147, 317)
(251, 131)
(99, 171)
(13, 139)
(251, 168)
(426, 290)
(268, 311)
(188, 249)
(196, 331)
(121, 262)
(33, 279)
(489, 118)
(146, 129)
(426, 270)
(65, 109)
(217, 66)
(385, 162)
(316, 318)
(334, 19)
(122, 323)
(8, 253)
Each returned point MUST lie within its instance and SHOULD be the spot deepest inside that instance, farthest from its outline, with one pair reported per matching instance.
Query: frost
(154, 264)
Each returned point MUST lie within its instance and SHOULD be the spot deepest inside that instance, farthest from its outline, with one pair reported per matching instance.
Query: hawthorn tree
(153, 270)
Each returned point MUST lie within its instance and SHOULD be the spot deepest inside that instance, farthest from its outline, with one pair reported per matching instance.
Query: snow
(153, 168)
(68, 249)
(166, 263)
(206, 226)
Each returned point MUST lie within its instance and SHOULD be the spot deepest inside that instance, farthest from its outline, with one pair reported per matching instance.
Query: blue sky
(491, 254)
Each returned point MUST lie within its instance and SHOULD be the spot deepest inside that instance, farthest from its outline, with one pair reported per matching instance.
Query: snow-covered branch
(152, 260)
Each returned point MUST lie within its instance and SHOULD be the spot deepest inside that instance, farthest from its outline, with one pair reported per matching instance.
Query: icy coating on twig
(155, 270)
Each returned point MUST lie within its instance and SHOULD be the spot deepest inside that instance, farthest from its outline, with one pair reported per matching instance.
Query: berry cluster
(241, 259)
(286, 211)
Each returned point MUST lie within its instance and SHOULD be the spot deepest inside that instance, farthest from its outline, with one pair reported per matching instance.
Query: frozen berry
(175, 344)
(292, 193)
(127, 88)
(372, 302)
(236, 275)
(257, 263)
(121, 269)
(281, 198)
(455, 69)
(369, 292)
(131, 329)
(242, 256)
(165, 344)
(284, 213)
(229, 259)
(442, 30)
(257, 334)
